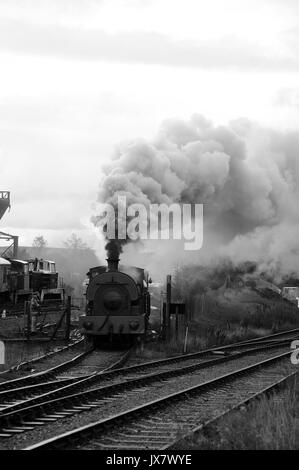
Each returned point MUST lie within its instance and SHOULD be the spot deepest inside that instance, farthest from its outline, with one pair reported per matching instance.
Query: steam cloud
(246, 175)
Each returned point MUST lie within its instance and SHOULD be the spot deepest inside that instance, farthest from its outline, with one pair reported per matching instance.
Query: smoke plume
(246, 176)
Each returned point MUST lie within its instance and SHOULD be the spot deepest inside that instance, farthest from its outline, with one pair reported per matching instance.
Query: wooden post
(186, 339)
(168, 302)
(58, 324)
(162, 317)
(177, 323)
(68, 319)
(27, 316)
(15, 246)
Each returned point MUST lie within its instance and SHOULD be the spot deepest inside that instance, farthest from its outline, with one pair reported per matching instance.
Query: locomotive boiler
(117, 302)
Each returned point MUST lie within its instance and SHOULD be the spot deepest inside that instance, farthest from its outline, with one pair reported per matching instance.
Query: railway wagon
(43, 278)
(14, 279)
(5, 267)
(19, 279)
(117, 302)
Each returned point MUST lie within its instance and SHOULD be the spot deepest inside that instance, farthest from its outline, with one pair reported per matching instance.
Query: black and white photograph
(149, 228)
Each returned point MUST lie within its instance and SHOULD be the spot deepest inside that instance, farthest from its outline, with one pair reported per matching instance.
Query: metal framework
(12, 248)
(4, 202)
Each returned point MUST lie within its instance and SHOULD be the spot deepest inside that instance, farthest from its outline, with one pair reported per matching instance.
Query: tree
(75, 243)
(39, 243)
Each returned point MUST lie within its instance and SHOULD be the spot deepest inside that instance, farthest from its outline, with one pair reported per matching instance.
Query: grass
(197, 340)
(244, 309)
(267, 424)
(222, 319)
(203, 336)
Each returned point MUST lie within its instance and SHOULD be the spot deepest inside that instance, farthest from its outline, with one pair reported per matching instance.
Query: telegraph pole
(68, 319)
(168, 302)
(27, 311)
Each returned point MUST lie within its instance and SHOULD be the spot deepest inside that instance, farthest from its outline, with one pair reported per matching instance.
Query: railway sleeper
(150, 436)
(117, 441)
(32, 423)
(101, 446)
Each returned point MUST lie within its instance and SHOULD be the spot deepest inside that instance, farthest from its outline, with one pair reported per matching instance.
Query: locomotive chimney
(112, 250)
(112, 263)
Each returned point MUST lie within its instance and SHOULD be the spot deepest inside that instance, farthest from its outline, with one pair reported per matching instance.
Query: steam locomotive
(117, 302)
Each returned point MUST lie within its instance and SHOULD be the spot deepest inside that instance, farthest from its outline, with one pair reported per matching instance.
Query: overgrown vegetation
(267, 424)
(196, 340)
(223, 307)
(226, 295)
(221, 322)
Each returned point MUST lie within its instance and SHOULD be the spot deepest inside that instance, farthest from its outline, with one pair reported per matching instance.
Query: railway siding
(160, 422)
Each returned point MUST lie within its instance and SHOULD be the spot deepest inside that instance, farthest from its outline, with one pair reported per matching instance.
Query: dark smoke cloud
(246, 175)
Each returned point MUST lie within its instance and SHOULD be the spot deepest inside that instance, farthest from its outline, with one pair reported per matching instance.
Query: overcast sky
(79, 76)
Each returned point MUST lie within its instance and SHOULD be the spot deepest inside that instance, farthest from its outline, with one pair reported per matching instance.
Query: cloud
(48, 214)
(287, 97)
(62, 111)
(23, 37)
(246, 175)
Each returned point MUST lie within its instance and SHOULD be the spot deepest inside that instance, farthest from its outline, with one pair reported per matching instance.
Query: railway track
(288, 334)
(159, 423)
(278, 387)
(138, 382)
(20, 391)
(49, 373)
(42, 378)
(43, 361)
(15, 391)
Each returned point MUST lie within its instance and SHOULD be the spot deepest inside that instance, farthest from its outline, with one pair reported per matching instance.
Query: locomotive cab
(43, 278)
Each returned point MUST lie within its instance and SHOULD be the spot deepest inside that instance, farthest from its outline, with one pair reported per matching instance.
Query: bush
(267, 424)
